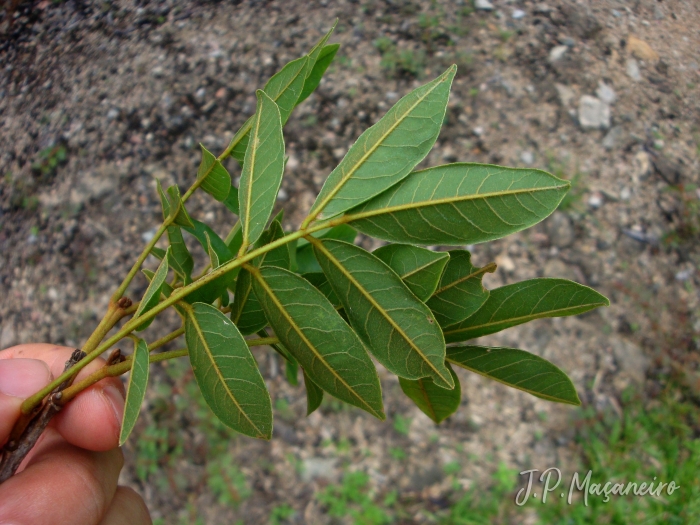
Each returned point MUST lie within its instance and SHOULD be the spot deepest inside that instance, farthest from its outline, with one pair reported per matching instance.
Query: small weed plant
(326, 305)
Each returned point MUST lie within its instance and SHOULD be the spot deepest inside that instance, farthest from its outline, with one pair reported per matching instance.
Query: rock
(527, 157)
(640, 49)
(158, 72)
(505, 263)
(313, 468)
(641, 165)
(595, 200)
(560, 230)
(518, 14)
(483, 5)
(478, 131)
(593, 113)
(112, 114)
(605, 93)
(542, 9)
(566, 94)
(557, 53)
(658, 13)
(633, 70)
(613, 138)
(629, 358)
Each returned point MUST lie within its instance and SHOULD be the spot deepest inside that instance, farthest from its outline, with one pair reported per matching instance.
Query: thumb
(19, 379)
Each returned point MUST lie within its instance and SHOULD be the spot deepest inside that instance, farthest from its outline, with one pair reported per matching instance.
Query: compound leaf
(315, 334)
(435, 402)
(460, 292)
(262, 169)
(399, 329)
(419, 268)
(135, 390)
(517, 368)
(214, 178)
(227, 373)
(459, 204)
(521, 302)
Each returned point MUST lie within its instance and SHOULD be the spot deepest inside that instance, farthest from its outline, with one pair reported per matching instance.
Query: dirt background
(120, 93)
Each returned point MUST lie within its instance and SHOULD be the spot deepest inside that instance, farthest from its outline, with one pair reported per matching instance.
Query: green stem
(176, 296)
(262, 341)
(166, 339)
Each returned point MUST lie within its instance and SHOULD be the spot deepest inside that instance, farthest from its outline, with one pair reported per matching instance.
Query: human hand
(70, 476)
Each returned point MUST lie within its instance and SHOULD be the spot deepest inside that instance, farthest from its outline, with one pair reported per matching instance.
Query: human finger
(127, 508)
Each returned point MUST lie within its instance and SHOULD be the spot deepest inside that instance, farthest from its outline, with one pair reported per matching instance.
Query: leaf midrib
(376, 305)
(446, 200)
(489, 268)
(218, 373)
(526, 317)
(258, 276)
(364, 157)
(416, 270)
(532, 392)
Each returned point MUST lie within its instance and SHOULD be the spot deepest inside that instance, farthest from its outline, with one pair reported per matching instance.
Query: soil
(97, 100)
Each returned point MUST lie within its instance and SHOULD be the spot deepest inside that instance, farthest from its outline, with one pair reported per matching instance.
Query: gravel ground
(99, 100)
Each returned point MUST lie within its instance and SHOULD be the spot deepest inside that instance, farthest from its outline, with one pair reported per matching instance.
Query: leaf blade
(236, 392)
(419, 268)
(399, 329)
(398, 142)
(314, 395)
(320, 66)
(435, 402)
(152, 294)
(262, 169)
(315, 334)
(525, 301)
(460, 292)
(215, 179)
(135, 390)
(517, 369)
(487, 202)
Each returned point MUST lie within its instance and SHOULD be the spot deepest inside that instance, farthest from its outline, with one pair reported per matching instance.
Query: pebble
(483, 5)
(633, 70)
(560, 230)
(518, 14)
(684, 275)
(282, 195)
(641, 50)
(641, 165)
(625, 193)
(606, 93)
(557, 53)
(613, 138)
(478, 131)
(112, 114)
(148, 235)
(200, 94)
(595, 200)
(505, 263)
(593, 113)
(527, 157)
(658, 13)
(566, 94)
(157, 72)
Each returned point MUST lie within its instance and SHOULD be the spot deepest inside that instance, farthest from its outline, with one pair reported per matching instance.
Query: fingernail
(23, 377)
(116, 399)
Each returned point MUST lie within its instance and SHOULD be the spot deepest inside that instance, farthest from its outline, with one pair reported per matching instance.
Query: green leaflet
(517, 368)
(521, 302)
(324, 60)
(158, 253)
(231, 201)
(460, 292)
(399, 329)
(284, 88)
(182, 218)
(209, 239)
(419, 268)
(227, 373)
(215, 179)
(291, 372)
(314, 395)
(135, 390)
(180, 259)
(152, 295)
(315, 334)
(262, 169)
(460, 203)
(246, 311)
(306, 260)
(435, 402)
(387, 152)
(319, 280)
(165, 290)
